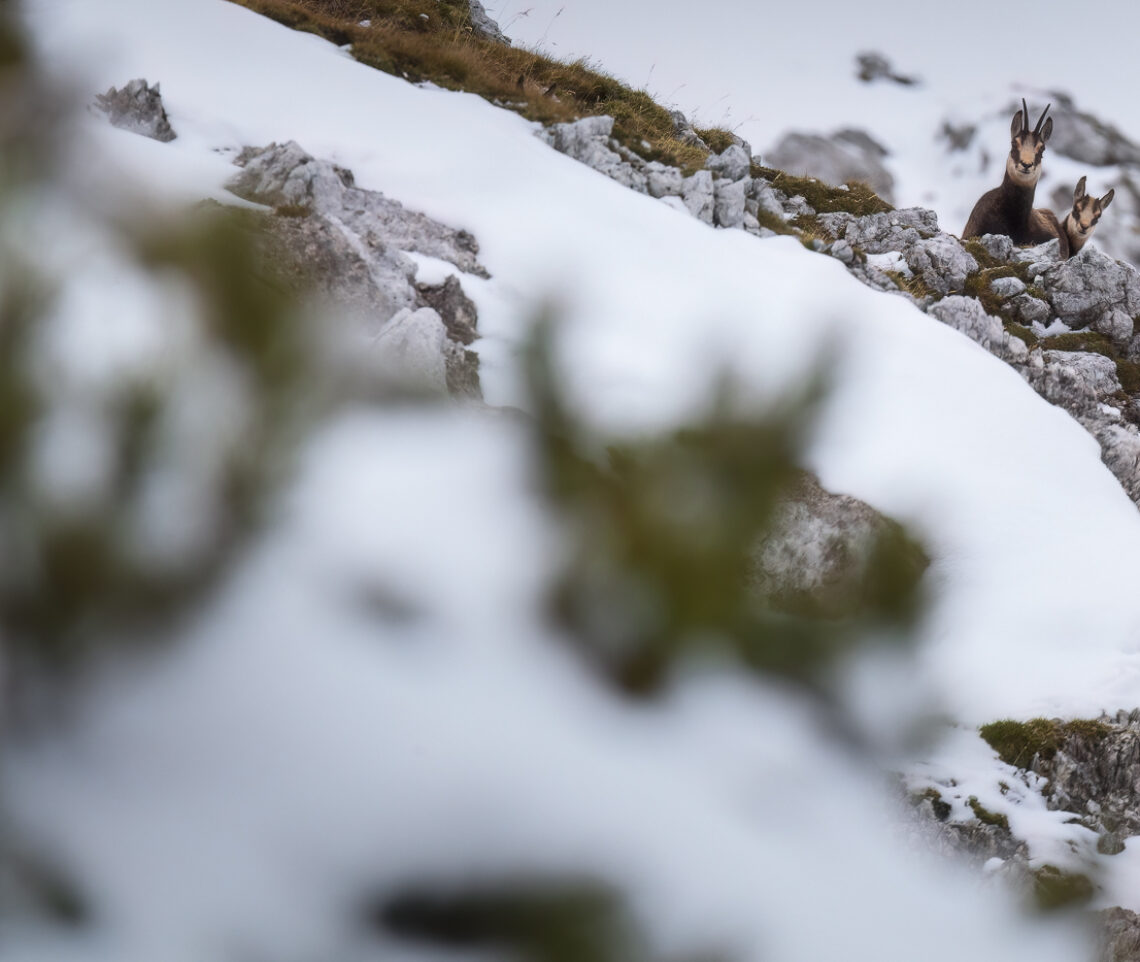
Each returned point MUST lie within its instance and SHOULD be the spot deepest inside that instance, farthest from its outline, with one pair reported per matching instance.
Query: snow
(301, 747)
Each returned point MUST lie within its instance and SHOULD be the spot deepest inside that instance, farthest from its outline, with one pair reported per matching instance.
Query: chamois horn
(1024, 117)
(1041, 119)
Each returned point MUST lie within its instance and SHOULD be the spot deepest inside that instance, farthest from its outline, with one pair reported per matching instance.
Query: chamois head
(1026, 146)
(1086, 211)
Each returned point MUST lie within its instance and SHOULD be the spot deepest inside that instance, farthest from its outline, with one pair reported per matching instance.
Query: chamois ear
(1079, 192)
(1047, 130)
(1107, 198)
(1017, 127)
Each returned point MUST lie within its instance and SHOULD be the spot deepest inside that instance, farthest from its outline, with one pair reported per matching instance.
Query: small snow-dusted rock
(138, 108)
(588, 142)
(997, 245)
(843, 156)
(842, 251)
(1090, 285)
(455, 308)
(685, 131)
(872, 275)
(1095, 372)
(767, 198)
(1028, 309)
(729, 203)
(284, 175)
(483, 25)
(733, 163)
(1116, 325)
(895, 230)
(662, 180)
(798, 207)
(1007, 286)
(1120, 452)
(967, 316)
(941, 261)
(699, 196)
(410, 350)
(1040, 257)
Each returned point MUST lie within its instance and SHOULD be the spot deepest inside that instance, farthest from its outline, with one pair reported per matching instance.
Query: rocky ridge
(1088, 770)
(353, 245)
(1067, 326)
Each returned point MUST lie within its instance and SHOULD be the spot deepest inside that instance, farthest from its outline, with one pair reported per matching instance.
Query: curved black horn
(1041, 119)
(1024, 117)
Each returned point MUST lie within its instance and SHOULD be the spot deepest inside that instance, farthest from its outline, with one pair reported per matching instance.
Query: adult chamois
(1081, 221)
(1008, 209)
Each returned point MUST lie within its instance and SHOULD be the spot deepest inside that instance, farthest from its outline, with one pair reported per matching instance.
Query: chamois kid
(1008, 209)
(1081, 221)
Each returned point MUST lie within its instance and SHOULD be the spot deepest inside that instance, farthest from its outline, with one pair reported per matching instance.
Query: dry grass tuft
(432, 40)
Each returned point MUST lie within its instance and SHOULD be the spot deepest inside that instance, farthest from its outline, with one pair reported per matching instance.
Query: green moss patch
(941, 808)
(1021, 331)
(852, 198)
(1089, 341)
(985, 816)
(1018, 743)
(1055, 889)
(718, 139)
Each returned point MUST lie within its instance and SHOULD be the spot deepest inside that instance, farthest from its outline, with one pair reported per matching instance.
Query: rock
(698, 194)
(588, 142)
(662, 180)
(1086, 138)
(1007, 286)
(842, 251)
(967, 316)
(798, 207)
(1086, 287)
(455, 308)
(1118, 938)
(997, 245)
(685, 131)
(138, 108)
(285, 176)
(1028, 309)
(1116, 326)
(895, 230)
(767, 198)
(1076, 375)
(347, 245)
(733, 164)
(844, 156)
(313, 254)
(728, 210)
(483, 26)
(871, 66)
(815, 557)
(941, 261)
(1040, 257)
(410, 351)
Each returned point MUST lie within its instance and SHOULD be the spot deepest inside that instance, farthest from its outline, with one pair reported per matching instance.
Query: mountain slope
(919, 422)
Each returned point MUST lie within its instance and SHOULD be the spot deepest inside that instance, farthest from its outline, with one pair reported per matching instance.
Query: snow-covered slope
(922, 424)
(484, 751)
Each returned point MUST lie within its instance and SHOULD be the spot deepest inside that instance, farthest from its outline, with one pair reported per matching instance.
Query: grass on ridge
(432, 40)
